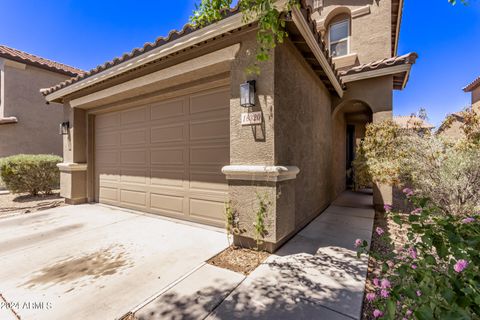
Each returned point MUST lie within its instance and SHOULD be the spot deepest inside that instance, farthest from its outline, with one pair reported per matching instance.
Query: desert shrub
(30, 173)
(446, 173)
(435, 273)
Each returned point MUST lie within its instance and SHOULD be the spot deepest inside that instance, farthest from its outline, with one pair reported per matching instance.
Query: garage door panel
(209, 155)
(168, 109)
(206, 209)
(135, 156)
(167, 203)
(109, 194)
(209, 129)
(132, 175)
(131, 197)
(107, 121)
(133, 116)
(166, 157)
(106, 139)
(169, 133)
(168, 177)
(134, 137)
(107, 157)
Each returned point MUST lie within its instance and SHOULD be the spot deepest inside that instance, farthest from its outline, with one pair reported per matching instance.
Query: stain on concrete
(102, 263)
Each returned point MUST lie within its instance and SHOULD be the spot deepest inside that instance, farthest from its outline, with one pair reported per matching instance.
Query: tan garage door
(166, 157)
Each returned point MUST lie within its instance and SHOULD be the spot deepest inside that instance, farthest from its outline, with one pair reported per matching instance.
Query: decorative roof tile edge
(37, 61)
(409, 58)
(174, 35)
(148, 46)
(473, 85)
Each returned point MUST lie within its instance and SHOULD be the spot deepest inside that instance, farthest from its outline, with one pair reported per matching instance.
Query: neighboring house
(27, 124)
(452, 127)
(413, 122)
(163, 129)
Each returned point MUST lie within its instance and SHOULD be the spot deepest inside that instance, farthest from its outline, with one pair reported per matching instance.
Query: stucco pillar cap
(260, 173)
(71, 167)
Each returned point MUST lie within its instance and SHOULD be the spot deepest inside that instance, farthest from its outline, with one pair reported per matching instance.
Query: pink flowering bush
(435, 274)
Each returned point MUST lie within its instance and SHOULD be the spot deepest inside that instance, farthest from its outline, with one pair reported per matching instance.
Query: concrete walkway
(316, 275)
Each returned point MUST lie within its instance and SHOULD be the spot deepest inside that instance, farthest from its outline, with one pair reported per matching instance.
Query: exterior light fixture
(247, 94)
(64, 126)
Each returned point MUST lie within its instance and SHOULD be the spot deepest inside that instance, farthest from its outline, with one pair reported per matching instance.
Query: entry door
(166, 157)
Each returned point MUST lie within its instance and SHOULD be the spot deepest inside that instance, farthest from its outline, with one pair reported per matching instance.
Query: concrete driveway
(94, 262)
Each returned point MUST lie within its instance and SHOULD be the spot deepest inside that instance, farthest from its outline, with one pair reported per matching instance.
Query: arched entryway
(349, 121)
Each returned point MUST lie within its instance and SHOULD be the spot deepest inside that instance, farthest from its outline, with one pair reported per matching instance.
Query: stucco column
(382, 193)
(253, 176)
(73, 170)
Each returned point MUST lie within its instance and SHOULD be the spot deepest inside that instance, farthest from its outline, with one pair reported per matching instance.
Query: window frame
(330, 43)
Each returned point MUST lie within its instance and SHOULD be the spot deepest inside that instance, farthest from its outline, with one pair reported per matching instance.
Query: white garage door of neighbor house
(166, 157)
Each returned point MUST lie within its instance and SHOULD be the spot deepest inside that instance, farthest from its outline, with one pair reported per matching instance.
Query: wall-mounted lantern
(64, 126)
(247, 94)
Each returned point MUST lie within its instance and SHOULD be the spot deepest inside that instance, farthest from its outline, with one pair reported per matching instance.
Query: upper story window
(339, 38)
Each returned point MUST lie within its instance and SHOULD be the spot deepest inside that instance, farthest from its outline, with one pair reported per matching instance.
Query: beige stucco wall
(476, 99)
(303, 131)
(370, 33)
(37, 128)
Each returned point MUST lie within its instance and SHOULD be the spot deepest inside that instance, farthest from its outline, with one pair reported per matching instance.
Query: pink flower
(371, 296)
(408, 192)
(358, 243)
(468, 220)
(460, 265)
(385, 284)
(388, 208)
(409, 313)
(376, 282)
(414, 266)
(412, 252)
(390, 264)
(377, 313)
(416, 211)
(419, 293)
(379, 231)
(384, 293)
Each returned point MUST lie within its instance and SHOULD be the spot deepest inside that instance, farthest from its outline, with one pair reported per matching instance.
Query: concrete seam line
(168, 287)
(225, 298)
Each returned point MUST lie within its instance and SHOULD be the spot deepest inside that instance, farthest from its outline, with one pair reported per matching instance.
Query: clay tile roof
(30, 59)
(173, 35)
(160, 41)
(474, 84)
(408, 58)
(407, 122)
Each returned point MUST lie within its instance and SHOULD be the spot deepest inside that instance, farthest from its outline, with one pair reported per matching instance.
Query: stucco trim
(378, 73)
(211, 31)
(312, 43)
(260, 173)
(345, 61)
(8, 120)
(72, 167)
(224, 55)
(361, 11)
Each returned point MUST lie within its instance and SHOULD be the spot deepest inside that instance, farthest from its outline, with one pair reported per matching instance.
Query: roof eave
(306, 32)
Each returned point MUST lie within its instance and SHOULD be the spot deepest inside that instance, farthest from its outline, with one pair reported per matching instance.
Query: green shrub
(30, 173)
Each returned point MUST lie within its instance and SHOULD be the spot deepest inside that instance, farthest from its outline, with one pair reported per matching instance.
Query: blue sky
(85, 33)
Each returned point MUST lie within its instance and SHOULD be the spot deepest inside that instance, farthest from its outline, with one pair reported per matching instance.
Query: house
(166, 130)
(413, 122)
(452, 127)
(27, 125)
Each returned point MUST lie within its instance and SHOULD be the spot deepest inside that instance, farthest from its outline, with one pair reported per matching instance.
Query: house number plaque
(251, 118)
